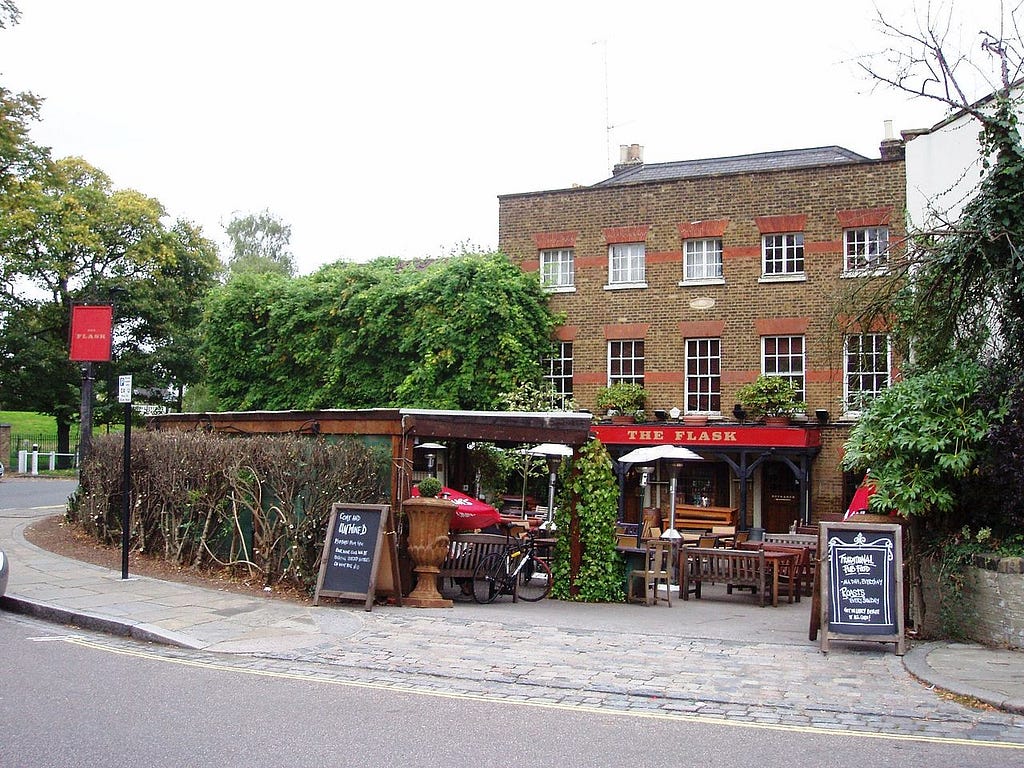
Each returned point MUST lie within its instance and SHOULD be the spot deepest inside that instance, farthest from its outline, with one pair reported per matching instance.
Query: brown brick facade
(739, 208)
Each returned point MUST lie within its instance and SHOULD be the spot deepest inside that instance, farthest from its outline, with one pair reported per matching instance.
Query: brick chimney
(630, 156)
(891, 147)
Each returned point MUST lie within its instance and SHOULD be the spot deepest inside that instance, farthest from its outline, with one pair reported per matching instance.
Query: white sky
(390, 128)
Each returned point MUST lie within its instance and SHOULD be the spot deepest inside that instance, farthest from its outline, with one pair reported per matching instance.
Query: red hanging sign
(91, 327)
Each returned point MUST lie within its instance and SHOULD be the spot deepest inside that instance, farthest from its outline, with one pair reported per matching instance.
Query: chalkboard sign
(351, 554)
(862, 584)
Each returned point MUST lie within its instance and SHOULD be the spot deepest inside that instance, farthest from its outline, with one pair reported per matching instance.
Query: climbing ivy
(586, 566)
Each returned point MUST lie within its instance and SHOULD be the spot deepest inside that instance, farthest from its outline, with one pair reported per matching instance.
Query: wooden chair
(707, 542)
(740, 537)
(658, 557)
(726, 534)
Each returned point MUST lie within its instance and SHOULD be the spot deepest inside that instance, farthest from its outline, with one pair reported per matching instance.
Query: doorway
(780, 499)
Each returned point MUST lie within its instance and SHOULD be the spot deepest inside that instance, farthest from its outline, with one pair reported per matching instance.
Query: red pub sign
(91, 327)
(712, 436)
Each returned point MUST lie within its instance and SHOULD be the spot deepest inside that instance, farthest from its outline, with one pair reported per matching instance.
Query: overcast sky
(390, 128)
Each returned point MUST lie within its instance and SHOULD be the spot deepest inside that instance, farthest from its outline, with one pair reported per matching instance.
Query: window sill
(559, 288)
(703, 281)
(876, 272)
(796, 277)
(624, 286)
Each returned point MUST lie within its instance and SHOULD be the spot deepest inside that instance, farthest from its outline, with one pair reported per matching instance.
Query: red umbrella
(469, 513)
(860, 503)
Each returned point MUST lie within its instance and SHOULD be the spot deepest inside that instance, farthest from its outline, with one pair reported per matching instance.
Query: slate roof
(720, 166)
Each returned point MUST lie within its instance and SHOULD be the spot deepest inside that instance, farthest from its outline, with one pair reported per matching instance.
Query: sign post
(124, 395)
(861, 587)
(91, 327)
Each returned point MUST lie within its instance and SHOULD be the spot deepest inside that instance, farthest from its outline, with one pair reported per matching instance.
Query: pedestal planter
(429, 520)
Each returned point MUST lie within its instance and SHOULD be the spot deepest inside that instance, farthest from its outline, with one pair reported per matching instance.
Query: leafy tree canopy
(454, 334)
(259, 243)
(68, 237)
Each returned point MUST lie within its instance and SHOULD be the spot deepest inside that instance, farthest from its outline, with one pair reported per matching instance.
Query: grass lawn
(26, 423)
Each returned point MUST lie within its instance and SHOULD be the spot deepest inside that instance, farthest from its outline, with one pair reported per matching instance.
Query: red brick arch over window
(864, 217)
(634, 234)
(776, 225)
(699, 230)
(545, 240)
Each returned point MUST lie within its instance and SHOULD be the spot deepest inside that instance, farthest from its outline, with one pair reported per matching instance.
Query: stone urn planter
(429, 520)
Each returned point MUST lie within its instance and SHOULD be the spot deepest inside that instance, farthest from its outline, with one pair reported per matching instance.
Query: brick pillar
(5, 445)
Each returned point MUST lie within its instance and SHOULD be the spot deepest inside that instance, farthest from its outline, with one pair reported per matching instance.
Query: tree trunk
(916, 589)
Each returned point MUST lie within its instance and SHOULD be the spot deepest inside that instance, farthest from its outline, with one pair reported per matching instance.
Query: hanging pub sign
(352, 552)
(91, 326)
(862, 583)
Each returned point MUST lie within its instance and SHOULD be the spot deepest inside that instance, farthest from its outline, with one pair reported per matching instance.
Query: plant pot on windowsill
(777, 421)
(695, 419)
(770, 398)
(622, 401)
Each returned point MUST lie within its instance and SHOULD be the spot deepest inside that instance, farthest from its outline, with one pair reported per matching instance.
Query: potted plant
(773, 398)
(624, 399)
(429, 521)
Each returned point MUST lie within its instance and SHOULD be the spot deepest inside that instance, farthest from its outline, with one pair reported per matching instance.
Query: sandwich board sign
(862, 583)
(351, 553)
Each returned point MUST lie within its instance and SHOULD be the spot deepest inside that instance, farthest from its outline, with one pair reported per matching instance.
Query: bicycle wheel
(534, 580)
(489, 578)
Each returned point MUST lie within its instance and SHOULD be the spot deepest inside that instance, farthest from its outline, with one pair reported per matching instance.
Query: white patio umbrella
(674, 453)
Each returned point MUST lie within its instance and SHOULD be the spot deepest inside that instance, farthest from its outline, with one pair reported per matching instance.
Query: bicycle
(518, 571)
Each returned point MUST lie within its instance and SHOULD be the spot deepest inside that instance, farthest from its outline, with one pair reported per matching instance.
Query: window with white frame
(867, 359)
(702, 259)
(703, 376)
(559, 373)
(866, 248)
(626, 263)
(783, 254)
(557, 268)
(626, 362)
(784, 356)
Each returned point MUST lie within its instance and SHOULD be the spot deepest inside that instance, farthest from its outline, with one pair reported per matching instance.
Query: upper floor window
(557, 268)
(867, 360)
(559, 373)
(866, 248)
(782, 254)
(703, 376)
(626, 264)
(626, 362)
(702, 259)
(784, 356)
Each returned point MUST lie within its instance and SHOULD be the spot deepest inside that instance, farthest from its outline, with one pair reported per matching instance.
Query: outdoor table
(780, 557)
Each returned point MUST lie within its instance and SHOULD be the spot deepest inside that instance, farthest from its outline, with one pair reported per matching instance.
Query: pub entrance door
(780, 498)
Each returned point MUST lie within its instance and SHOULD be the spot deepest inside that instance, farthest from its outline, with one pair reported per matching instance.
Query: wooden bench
(732, 567)
(692, 517)
(466, 550)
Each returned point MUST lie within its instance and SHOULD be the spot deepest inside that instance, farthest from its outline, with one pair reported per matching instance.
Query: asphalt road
(70, 698)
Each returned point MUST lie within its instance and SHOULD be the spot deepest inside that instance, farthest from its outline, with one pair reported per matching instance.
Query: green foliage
(920, 437)
(70, 237)
(263, 511)
(588, 509)
(429, 487)
(769, 396)
(624, 397)
(259, 244)
(454, 335)
(479, 326)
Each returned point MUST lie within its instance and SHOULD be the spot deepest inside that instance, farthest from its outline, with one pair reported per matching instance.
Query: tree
(69, 237)
(259, 243)
(454, 334)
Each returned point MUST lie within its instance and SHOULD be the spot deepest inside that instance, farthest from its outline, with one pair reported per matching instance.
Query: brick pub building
(692, 278)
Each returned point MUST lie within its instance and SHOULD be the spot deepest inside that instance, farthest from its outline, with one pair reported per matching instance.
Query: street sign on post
(124, 389)
(124, 395)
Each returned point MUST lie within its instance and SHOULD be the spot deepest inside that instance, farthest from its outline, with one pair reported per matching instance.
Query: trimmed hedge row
(259, 504)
